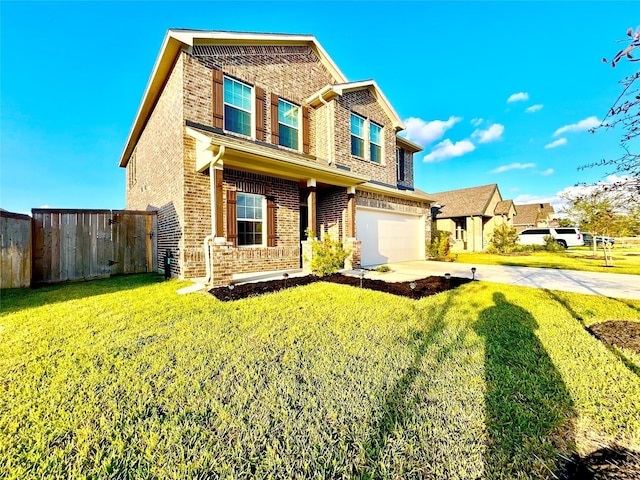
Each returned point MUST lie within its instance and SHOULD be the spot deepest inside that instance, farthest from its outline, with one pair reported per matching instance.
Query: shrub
(383, 269)
(328, 256)
(503, 238)
(440, 246)
(550, 244)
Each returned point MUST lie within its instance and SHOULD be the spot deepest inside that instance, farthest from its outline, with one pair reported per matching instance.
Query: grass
(124, 378)
(624, 260)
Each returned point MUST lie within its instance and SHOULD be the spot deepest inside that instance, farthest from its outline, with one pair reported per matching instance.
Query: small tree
(440, 246)
(504, 238)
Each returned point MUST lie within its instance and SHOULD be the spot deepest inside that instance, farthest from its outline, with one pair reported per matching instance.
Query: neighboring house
(245, 141)
(534, 215)
(470, 215)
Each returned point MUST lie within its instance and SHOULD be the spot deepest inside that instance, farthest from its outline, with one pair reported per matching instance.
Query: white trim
(298, 128)
(252, 115)
(263, 221)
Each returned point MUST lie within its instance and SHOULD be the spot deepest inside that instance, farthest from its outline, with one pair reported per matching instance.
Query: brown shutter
(271, 222)
(218, 99)
(232, 222)
(305, 129)
(260, 113)
(275, 138)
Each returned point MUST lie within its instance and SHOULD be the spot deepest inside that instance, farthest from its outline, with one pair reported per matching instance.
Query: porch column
(351, 212)
(311, 207)
(218, 213)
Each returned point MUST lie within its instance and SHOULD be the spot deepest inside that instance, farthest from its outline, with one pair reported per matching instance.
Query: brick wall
(331, 212)
(286, 253)
(364, 104)
(408, 169)
(156, 178)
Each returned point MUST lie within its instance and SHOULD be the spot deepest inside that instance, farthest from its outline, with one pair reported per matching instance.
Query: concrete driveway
(605, 284)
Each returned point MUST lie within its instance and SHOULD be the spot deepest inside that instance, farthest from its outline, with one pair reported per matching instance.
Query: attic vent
(249, 50)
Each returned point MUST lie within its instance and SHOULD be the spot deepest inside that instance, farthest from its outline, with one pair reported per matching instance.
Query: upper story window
(375, 142)
(250, 218)
(288, 124)
(357, 135)
(238, 102)
(400, 164)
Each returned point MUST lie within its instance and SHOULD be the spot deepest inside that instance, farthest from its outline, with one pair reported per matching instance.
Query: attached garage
(389, 236)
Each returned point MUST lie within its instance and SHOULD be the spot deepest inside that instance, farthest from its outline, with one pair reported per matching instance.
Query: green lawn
(123, 378)
(624, 260)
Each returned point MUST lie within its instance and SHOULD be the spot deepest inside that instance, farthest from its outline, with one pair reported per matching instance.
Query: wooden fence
(85, 244)
(58, 245)
(15, 252)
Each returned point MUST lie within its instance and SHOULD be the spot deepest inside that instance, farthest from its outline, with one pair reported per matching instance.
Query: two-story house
(248, 143)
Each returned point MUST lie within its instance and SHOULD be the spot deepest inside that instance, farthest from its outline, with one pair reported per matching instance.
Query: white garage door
(389, 237)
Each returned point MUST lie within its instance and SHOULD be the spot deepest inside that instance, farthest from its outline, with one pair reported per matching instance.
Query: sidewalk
(590, 283)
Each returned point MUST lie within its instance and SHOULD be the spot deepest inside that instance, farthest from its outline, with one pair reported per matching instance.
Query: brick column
(354, 260)
(307, 254)
(311, 207)
(351, 215)
(222, 263)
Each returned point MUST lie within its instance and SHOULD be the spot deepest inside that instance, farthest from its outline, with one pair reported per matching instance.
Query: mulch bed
(619, 333)
(424, 287)
(607, 463)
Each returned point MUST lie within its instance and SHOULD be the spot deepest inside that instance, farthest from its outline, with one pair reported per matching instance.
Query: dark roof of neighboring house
(503, 207)
(529, 214)
(465, 201)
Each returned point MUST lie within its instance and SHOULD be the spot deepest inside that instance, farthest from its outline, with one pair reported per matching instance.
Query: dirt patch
(619, 333)
(607, 463)
(423, 287)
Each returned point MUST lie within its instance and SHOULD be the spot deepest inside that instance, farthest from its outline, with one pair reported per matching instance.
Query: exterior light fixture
(231, 286)
(285, 275)
(413, 286)
(361, 277)
(447, 276)
(473, 273)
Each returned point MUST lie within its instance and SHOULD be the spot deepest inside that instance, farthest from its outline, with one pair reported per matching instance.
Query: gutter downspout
(212, 192)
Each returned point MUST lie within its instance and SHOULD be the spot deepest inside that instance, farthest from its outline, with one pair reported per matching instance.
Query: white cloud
(44, 206)
(447, 149)
(427, 132)
(556, 202)
(513, 166)
(518, 97)
(477, 121)
(556, 143)
(547, 172)
(491, 134)
(582, 125)
(534, 108)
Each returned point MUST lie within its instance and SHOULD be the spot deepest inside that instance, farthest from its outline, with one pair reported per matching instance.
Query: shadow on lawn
(528, 408)
(17, 299)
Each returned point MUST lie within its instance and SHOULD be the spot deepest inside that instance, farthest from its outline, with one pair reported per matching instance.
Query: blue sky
(496, 92)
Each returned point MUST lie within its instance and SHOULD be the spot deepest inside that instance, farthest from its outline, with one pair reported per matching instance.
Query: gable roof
(530, 213)
(465, 202)
(331, 91)
(503, 207)
(177, 40)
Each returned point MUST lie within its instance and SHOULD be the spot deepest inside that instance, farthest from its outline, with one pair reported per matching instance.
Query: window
(400, 164)
(237, 107)
(288, 124)
(357, 135)
(250, 218)
(375, 142)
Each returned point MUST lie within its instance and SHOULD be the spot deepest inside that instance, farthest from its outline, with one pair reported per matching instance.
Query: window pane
(288, 136)
(375, 133)
(357, 146)
(237, 94)
(288, 113)
(237, 120)
(357, 125)
(376, 153)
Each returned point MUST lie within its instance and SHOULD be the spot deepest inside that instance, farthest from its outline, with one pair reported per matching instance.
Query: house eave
(255, 157)
(415, 195)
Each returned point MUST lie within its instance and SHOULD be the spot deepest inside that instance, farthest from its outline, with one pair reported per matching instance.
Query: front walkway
(606, 284)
